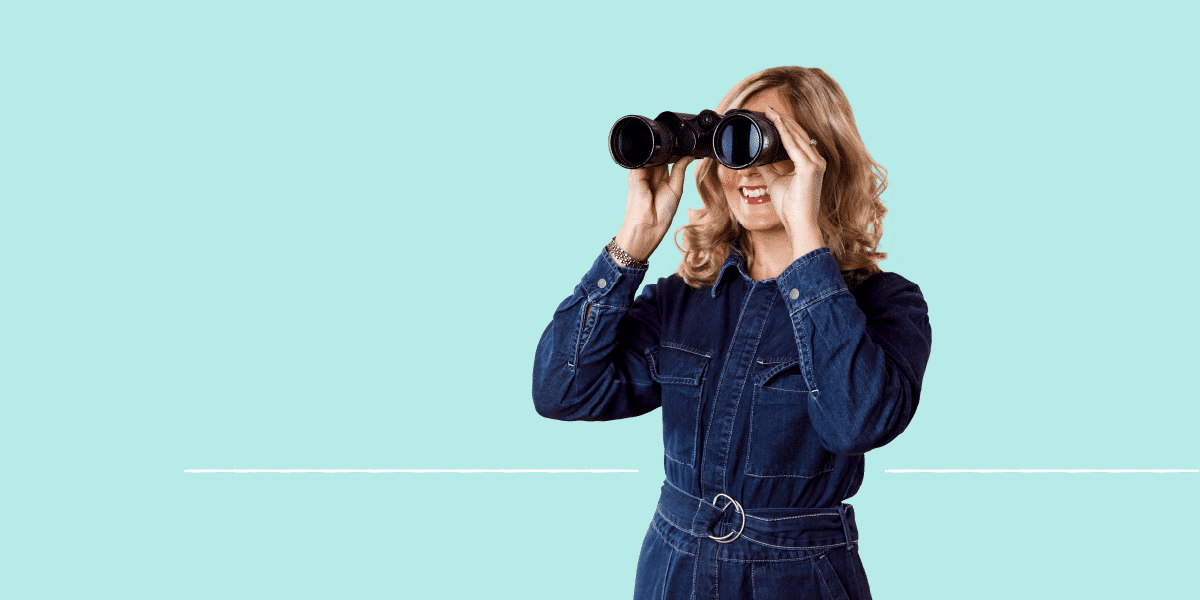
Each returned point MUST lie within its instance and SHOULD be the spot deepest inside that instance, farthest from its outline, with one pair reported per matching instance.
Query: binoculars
(739, 139)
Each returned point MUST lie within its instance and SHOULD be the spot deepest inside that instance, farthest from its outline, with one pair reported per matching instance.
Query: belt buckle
(733, 535)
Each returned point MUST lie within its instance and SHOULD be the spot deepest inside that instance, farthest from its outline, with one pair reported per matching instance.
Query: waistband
(759, 533)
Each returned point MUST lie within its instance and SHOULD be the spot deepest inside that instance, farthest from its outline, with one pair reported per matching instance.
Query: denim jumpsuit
(771, 392)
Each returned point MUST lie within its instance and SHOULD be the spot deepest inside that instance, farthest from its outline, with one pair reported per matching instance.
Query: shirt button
(601, 283)
(795, 293)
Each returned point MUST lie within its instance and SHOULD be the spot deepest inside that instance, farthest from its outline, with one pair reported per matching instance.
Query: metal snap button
(795, 293)
(601, 283)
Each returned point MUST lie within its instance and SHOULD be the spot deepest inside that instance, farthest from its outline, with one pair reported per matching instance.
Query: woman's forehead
(738, 93)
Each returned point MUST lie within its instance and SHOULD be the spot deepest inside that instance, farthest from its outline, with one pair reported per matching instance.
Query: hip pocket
(782, 441)
(809, 578)
(679, 370)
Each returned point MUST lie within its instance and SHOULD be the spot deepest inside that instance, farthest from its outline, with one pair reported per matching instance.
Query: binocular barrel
(739, 139)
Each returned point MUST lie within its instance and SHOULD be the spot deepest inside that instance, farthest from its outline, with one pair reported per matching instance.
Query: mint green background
(325, 235)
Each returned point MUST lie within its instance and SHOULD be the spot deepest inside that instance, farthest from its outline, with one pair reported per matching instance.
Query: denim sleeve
(864, 368)
(591, 360)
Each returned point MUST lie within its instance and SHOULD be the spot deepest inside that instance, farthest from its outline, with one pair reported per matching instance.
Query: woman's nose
(749, 173)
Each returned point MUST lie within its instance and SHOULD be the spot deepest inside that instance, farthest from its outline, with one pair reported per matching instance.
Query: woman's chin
(764, 225)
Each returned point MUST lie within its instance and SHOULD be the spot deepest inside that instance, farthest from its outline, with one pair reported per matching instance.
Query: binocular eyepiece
(739, 139)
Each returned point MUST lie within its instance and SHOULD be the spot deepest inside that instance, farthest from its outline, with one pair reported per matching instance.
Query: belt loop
(845, 524)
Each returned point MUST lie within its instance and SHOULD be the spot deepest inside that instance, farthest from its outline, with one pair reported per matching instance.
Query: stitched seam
(807, 351)
(652, 361)
(793, 547)
(797, 267)
(818, 299)
(598, 305)
(798, 331)
(721, 379)
(750, 431)
(573, 359)
(775, 361)
(716, 578)
(697, 402)
(750, 446)
(816, 568)
(656, 376)
(663, 536)
(753, 594)
(589, 327)
(679, 380)
(771, 387)
(670, 458)
(765, 560)
(688, 349)
(780, 365)
(799, 476)
(794, 517)
(668, 482)
(802, 343)
(854, 573)
(691, 382)
(845, 524)
(695, 568)
(748, 516)
(673, 524)
(733, 419)
(666, 571)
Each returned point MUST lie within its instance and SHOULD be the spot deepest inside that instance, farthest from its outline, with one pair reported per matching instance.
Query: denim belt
(726, 520)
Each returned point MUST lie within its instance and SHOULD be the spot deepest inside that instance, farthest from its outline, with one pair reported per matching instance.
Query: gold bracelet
(624, 258)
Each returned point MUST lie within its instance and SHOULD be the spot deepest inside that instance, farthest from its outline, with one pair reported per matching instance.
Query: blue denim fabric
(771, 392)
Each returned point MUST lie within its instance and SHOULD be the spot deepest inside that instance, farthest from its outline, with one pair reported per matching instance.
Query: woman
(779, 352)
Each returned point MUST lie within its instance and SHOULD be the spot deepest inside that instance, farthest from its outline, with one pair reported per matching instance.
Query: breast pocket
(782, 442)
(679, 370)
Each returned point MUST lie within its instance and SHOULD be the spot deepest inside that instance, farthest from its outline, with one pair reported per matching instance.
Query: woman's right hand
(654, 194)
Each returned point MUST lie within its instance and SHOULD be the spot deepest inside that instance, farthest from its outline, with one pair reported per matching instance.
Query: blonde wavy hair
(850, 214)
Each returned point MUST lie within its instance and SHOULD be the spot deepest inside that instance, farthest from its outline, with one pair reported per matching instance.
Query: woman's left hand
(795, 185)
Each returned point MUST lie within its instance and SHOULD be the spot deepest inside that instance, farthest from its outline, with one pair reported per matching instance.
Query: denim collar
(733, 262)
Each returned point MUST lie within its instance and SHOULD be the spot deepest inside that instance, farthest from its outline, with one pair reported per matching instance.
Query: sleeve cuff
(609, 283)
(810, 279)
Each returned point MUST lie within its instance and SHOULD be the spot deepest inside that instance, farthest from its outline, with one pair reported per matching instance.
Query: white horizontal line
(410, 471)
(1042, 471)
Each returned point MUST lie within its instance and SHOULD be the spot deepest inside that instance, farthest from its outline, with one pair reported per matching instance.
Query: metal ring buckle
(725, 539)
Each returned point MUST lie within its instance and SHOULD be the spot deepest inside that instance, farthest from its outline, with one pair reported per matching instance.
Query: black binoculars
(739, 139)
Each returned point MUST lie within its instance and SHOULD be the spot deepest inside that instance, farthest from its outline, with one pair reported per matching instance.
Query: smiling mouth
(755, 194)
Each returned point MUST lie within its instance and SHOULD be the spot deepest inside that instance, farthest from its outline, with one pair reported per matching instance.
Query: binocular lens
(739, 141)
(631, 142)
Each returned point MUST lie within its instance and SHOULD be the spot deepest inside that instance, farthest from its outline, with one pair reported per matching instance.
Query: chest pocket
(679, 370)
(782, 441)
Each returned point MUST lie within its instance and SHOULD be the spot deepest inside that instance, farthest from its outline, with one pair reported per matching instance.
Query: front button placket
(731, 386)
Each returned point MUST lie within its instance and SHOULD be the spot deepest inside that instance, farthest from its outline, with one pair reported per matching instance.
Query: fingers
(639, 176)
(654, 177)
(795, 139)
(795, 148)
(677, 174)
(662, 183)
(770, 173)
(647, 181)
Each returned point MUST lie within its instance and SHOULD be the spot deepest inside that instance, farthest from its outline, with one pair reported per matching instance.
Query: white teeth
(754, 193)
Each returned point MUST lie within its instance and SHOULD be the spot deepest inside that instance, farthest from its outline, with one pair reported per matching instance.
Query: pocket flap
(780, 373)
(676, 364)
